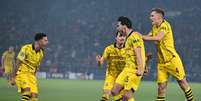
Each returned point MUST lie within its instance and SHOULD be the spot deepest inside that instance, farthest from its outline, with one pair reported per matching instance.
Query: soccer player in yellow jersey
(169, 62)
(129, 79)
(114, 57)
(8, 62)
(27, 64)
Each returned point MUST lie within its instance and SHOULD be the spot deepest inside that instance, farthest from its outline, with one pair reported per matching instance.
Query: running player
(27, 64)
(169, 62)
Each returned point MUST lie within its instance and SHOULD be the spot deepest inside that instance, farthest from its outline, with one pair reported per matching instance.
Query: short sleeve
(163, 28)
(22, 54)
(136, 42)
(105, 53)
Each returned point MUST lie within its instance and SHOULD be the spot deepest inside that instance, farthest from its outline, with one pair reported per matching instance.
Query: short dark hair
(39, 36)
(159, 10)
(125, 21)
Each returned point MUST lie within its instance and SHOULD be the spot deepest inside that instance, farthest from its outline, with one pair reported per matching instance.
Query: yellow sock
(105, 97)
(119, 97)
(189, 95)
(160, 98)
(26, 96)
(34, 99)
(131, 99)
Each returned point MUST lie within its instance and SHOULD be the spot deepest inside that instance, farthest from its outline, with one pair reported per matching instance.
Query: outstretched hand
(98, 58)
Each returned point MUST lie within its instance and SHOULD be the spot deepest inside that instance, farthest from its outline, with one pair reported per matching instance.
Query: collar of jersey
(161, 23)
(115, 45)
(130, 33)
(33, 48)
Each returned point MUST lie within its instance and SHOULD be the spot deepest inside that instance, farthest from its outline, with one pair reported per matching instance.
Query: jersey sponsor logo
(135, 40)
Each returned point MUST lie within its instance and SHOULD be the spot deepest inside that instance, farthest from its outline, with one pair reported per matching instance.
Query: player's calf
(161, 91)
(187, 89)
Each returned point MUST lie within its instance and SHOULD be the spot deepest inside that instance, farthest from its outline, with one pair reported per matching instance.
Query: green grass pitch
(83, 90)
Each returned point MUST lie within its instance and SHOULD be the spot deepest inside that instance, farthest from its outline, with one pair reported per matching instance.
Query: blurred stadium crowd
(80, 29)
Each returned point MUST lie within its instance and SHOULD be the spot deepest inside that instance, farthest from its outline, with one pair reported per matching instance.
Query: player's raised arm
(99, 60)
(158, 37)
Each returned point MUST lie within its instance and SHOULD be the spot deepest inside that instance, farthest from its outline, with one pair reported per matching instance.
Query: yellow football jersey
(165, 47)
(115, 59)
(30, 59)
(8, 58)
(134, 40)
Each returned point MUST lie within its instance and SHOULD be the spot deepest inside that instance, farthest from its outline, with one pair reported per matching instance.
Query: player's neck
(118, 45)
(128, 31)
(36, 46)
(159, 22)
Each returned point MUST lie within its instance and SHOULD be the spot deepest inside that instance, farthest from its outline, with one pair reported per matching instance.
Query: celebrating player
(114, 57)
(129, 79)
(169, 62)
(27, 64)
(8, 62)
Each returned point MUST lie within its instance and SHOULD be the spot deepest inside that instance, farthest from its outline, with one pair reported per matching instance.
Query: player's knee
(116, 89)
(127, 95)
(183, 81)
(114, 92)
(162, 87)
